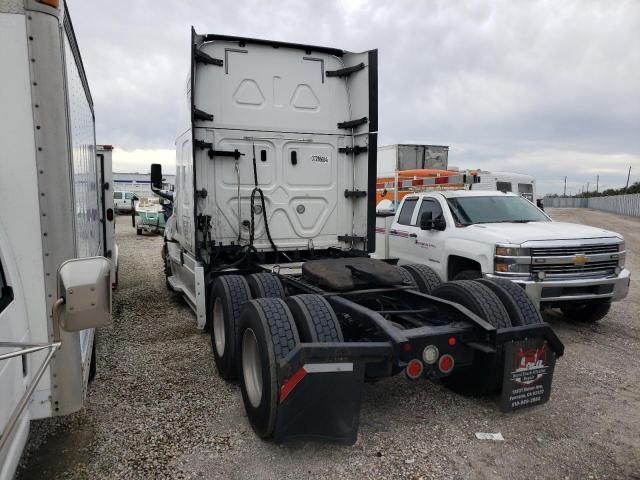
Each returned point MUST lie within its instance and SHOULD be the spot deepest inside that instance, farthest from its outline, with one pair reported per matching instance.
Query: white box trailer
(57, 253)
(397, 157)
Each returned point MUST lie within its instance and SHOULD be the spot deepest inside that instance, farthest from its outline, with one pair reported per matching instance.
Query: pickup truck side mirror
(156, 175)
(426, 221)
(440, 224)
(84, 291)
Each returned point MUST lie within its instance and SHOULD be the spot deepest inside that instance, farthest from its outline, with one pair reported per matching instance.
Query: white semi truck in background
(58, 259)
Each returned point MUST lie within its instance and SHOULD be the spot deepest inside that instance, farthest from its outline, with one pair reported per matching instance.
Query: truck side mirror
(156, 175)
(440, 224)
(84, 291)
(426, 221)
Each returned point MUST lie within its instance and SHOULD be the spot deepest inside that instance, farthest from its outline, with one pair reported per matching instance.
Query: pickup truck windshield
(498, 209)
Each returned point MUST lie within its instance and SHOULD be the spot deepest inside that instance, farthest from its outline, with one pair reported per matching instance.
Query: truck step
(179, 286)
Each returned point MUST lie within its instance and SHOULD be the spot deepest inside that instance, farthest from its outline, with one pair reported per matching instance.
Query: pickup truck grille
(600, 268)
(590, 269)
(581, 250)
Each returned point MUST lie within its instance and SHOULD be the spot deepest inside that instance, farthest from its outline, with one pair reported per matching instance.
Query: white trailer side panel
(20, 252)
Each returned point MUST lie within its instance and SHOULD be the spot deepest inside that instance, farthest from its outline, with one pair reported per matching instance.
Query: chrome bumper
(535, 289)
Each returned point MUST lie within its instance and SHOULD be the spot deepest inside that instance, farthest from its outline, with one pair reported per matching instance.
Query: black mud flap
(528, 373)
(320, 390)
(321, 402)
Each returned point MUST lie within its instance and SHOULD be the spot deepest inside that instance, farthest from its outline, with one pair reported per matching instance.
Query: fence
(621, 204)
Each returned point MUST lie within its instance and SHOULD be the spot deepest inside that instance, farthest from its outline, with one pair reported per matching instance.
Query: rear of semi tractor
(273, 222)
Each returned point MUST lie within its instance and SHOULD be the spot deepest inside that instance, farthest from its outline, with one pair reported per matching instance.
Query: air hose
(258, 190)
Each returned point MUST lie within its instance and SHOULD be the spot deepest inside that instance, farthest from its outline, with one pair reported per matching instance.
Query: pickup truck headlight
(623, 254)
(511, 267)
(512, 259)
(511, 251)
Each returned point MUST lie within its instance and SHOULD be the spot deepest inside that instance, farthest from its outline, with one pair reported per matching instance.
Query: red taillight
(452, 341)
(414, 369)
(446, 363)
(110, 214)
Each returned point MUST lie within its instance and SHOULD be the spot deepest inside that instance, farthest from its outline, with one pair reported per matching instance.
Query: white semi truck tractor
(269, 241)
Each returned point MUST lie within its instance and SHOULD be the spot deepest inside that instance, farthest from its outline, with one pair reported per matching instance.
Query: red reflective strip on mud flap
(288, 387)
(297, 377)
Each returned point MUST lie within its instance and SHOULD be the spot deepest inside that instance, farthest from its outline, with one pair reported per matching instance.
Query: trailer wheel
(228, 294)
(265, 285)
(315, 319)
(268, 334)
(485, 376)
(425, 278)
(476, 297)
(138, 231)
(407, 278)
(519, 306)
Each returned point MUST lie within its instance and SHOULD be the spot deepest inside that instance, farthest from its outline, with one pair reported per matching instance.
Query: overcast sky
(547, 88)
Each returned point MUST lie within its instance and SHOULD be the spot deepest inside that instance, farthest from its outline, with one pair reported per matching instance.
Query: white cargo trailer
(57, 253)
(397, 157)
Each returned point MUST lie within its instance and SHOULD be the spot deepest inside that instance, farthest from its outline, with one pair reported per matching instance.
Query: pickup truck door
(401, 228)
(427, 246)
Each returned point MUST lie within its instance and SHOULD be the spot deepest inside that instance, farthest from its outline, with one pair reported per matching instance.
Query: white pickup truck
(466, 234)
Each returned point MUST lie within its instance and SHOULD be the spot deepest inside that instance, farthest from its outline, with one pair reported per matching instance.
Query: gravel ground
(157, 409)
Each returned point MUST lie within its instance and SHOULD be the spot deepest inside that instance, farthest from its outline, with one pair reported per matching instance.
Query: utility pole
(597, 182)
(565, 186)
(587, 188)
(628, 175)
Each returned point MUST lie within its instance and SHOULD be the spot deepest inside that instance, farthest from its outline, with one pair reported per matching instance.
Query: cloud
(503, 83)
(140, 160)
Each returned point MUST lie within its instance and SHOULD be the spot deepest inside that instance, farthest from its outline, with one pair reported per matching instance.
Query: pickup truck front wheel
(587, 312)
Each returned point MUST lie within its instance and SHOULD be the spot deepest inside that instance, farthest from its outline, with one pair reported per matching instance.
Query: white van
(122, 201)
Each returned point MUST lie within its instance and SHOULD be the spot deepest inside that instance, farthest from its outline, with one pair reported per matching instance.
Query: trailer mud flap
(528, 373)
(321, 401)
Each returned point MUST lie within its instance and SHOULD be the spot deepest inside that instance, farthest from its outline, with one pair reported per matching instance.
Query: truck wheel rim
(251, 367)
(218, 327)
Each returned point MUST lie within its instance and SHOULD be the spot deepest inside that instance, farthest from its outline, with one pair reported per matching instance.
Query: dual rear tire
(270, 330)
(500, 303)
(253, 329)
